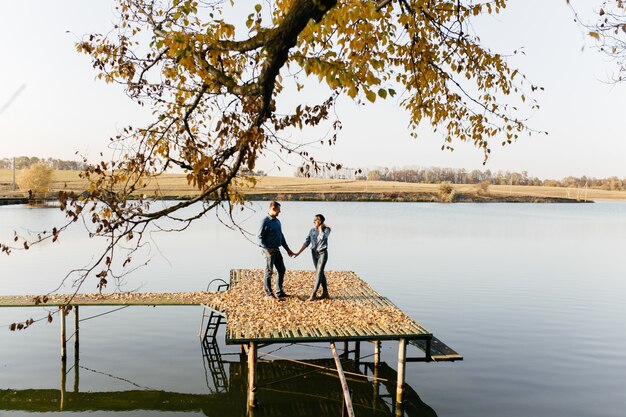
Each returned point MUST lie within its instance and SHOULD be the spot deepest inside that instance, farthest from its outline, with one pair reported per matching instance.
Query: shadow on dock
(286, 388)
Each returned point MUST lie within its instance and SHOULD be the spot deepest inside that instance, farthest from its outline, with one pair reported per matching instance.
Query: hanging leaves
(220, 82)
(609, 34)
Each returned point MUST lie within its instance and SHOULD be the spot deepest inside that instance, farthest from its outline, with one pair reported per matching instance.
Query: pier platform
(353, 313)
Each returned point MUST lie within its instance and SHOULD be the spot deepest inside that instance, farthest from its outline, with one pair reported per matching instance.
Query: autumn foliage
(217, 76)
(37, 178)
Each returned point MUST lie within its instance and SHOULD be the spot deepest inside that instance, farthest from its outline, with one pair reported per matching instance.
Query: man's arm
(285, 245)
(261, 234)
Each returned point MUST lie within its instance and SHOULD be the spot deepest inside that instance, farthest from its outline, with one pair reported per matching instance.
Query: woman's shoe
(312, 297)
(325, 296)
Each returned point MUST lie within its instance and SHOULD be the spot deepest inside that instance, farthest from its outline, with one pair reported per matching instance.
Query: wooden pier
(354, 313)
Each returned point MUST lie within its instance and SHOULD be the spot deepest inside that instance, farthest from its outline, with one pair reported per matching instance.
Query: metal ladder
(214, 365)
(213, 319)
(210, 348)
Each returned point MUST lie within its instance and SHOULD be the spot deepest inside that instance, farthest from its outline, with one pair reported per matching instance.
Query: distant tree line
(23, 162)
(335, 172)
(436, 175)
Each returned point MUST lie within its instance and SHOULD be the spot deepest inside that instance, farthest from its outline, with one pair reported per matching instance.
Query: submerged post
(252, 374)
(63, 384)
(401, 370)
(376, 388)
(76, 351)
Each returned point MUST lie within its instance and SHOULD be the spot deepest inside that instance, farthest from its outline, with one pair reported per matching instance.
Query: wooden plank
(325, 331)
(316, 332)
(332, 332)
(293, 332)
(353, 331)
(304, 331)
(439, 351)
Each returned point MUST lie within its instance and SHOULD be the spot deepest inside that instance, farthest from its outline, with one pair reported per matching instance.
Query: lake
(532, 295)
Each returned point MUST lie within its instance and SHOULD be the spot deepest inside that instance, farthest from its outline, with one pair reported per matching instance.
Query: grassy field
(175, 186)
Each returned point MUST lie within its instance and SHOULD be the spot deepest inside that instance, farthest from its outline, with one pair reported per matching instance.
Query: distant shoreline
(176, 187)
(404, 197)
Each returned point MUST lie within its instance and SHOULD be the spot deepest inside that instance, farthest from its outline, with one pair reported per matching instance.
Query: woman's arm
(306, 243)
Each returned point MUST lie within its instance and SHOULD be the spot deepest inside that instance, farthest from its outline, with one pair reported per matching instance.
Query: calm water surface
(532, 295)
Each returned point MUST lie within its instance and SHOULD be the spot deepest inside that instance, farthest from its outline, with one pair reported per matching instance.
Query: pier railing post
(252, 374)
(401, 370)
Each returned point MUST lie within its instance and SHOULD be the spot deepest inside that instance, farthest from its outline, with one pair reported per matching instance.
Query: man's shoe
(282, 295)
(325, 296)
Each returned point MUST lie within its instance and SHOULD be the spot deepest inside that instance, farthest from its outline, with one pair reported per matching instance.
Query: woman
(318, 239)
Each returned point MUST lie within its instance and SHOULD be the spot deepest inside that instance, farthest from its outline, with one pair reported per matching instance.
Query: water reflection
(285, 388)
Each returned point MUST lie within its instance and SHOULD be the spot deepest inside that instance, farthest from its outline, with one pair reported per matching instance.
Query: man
(271, 238)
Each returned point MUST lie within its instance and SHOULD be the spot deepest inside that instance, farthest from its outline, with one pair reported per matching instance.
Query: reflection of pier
(289, 388)
(354, 314)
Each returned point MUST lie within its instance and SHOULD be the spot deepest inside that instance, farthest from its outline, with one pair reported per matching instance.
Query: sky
(61, 109)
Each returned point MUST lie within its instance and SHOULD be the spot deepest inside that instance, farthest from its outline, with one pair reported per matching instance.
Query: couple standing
(271, 238)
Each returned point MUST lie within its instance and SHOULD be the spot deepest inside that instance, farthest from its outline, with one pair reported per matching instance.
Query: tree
(216, 75)
(37, 178)
(609, 32)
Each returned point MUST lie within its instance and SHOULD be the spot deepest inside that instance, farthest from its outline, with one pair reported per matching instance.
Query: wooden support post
(376, 388)
(252, 374)
(76, 350)
(401, 370)
(399, 410)
(345, 348)
(63, 334)
(76, 341)
(344, 384)
(376, 353)
(63, 383)
(357, 352)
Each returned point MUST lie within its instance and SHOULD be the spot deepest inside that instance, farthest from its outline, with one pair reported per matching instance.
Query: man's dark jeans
(273, 258)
